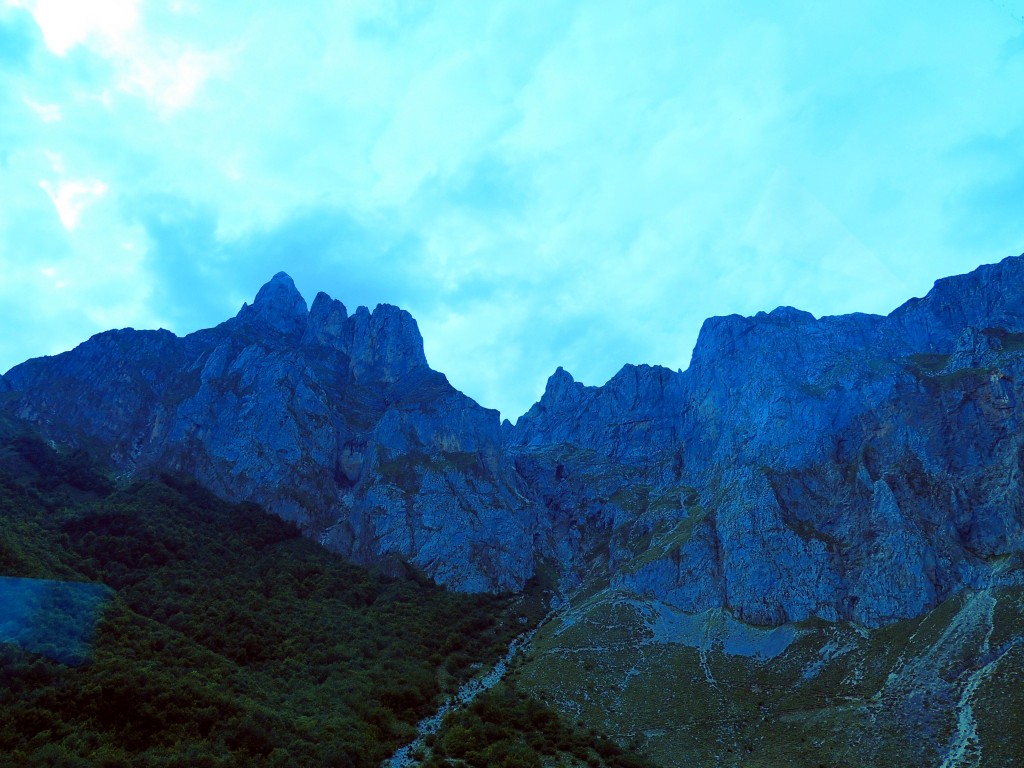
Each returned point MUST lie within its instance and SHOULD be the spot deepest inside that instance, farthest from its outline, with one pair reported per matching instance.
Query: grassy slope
(837, 696)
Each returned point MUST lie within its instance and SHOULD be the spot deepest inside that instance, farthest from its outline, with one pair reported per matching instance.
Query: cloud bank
(540, 184)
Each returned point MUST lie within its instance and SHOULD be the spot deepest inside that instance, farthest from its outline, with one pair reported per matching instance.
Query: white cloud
(72, 196)
(167, 72)
(169, 81)
(48, 113)
(581, 183)
(67, 23)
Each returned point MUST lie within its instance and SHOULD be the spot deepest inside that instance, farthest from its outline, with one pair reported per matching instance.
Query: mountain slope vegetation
(228, 638)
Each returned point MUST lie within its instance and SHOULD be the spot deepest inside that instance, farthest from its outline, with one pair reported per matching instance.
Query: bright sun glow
(67, 23)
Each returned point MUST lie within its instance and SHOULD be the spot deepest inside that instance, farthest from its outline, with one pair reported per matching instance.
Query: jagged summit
(559, 385)
(851, 467)
(835, 457)
(282, 279)
(788, 314)
(383, 345)
(329, 419)
(327, 319)
(279, 292)
(278, 306)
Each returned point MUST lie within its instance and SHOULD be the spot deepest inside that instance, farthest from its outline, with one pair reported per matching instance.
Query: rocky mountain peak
(326, 323)
(278, 306)
(988, 297)
(334, 421)
(849, 467)
(788, 314)
(718, 338)
(561, 386)
(385, 344)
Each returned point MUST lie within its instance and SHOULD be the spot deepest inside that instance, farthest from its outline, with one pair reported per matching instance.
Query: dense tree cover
(229, 640)
(506, 728)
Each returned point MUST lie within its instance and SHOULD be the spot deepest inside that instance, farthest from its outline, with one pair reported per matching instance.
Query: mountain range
(842, 472)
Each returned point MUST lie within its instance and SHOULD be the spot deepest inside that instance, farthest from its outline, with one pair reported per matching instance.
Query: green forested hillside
(507, 727)
(228, 639)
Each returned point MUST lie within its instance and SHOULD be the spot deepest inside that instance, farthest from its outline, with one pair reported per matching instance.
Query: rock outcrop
(856, 467)
(332, 420)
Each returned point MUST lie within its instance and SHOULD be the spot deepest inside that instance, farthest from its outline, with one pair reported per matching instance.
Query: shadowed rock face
(856, 467)
(331, 420)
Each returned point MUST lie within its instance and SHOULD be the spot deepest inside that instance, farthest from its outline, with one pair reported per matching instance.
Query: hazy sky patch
(540, 184)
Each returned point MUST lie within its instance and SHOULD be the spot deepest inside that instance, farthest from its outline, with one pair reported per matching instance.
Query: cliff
(332, 420)
(857, 467)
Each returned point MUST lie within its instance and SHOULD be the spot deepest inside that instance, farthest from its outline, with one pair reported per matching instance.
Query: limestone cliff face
(856, 467)
(329, 419)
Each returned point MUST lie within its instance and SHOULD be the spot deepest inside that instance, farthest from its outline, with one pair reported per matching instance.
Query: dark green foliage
(25, 457)
(510, 729)
(54, 618)
(230, 640)
(1008, 342)
(929, 363)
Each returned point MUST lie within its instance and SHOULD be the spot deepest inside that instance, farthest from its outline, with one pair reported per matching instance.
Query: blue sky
(539, 183)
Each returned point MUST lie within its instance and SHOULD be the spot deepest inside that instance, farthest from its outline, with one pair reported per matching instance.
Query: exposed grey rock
(331, 420)
(974, 349)
(857, 467)
(635, 413)
(326, 322)
(278, 307)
